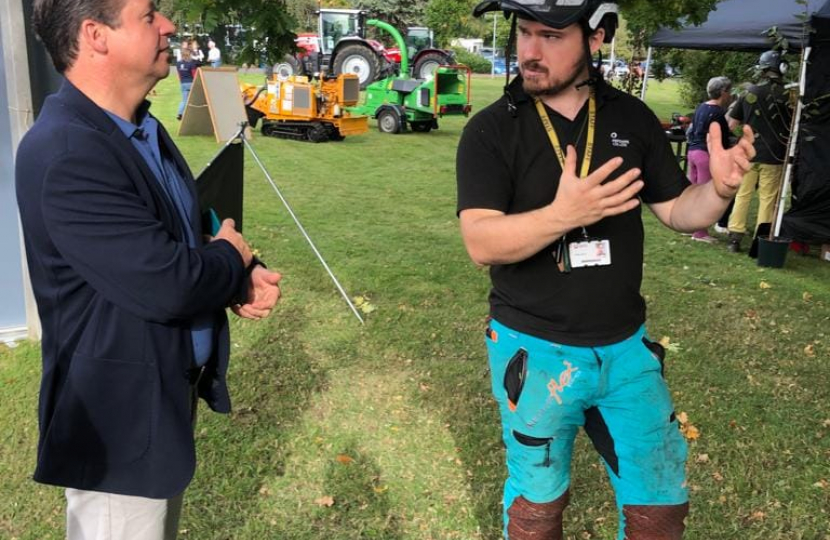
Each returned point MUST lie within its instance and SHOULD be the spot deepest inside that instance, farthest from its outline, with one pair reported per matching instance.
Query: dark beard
(578, 69)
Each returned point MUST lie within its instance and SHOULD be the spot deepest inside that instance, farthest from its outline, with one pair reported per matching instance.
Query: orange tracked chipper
(304, 110)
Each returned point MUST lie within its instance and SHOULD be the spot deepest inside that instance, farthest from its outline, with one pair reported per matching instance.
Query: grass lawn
(387, 431)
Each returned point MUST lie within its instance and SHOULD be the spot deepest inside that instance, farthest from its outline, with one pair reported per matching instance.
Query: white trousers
(92, 515)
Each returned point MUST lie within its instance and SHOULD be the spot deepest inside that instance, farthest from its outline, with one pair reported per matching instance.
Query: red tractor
(422, 54)
(341, 46)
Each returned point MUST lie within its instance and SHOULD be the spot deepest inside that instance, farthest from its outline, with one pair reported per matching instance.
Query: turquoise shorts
(547, 391)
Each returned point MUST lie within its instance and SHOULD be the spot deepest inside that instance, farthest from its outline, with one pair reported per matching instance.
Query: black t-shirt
(705, 114)
(506, 163)
(766, 109)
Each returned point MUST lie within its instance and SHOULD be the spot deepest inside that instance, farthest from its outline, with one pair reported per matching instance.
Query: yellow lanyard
(554, 139)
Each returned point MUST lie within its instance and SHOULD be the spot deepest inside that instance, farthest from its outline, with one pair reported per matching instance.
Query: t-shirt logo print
(619, 143)
(565, 379)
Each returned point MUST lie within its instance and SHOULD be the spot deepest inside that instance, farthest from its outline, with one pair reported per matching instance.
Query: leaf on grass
(667, 344)
(765, 285)
(344, 459)
(810, 350)
(327, 501)
(380, 489)
(690, 432)
(718, 477)
(822, 484)
(806, 296)
(702, 458)
(362, 303)
(687, 429)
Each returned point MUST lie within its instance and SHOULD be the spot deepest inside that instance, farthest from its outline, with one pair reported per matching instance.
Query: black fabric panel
(808, 219)
(597, 431)
(220, 184)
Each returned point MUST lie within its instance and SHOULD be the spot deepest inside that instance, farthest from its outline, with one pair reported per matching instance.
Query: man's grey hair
(717, 86)
(58, 22)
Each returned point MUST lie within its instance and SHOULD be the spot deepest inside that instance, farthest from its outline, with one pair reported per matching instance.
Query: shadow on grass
(460, 393)
(361, 506)
(475, 430)
(272, 381)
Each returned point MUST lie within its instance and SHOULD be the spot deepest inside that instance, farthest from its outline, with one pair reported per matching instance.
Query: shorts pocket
(514, 378)
(536, 442)
(659, 353)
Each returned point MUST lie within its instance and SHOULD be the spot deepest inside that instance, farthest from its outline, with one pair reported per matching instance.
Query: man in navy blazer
(130, 294)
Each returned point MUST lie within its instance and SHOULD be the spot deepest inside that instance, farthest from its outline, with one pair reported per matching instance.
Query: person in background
(196, 53)
(551, 179)
(719, 90)
(131, 296)
(186, 69)
(214, 54)
(765, 107)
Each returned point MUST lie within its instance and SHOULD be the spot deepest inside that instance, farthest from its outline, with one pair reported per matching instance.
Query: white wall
(18, 315)
(472, 45)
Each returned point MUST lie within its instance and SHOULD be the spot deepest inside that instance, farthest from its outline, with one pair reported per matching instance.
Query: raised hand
(729, 166)
(583, 201)
(263, 294)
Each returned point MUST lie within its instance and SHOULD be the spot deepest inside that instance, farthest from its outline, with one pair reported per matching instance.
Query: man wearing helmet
(765, 108)
(550, 179)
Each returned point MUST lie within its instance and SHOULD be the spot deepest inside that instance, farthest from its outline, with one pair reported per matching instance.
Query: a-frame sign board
(214, 106)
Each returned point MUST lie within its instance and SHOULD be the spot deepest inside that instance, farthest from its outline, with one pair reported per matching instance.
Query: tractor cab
(417, 39)
(337, 24)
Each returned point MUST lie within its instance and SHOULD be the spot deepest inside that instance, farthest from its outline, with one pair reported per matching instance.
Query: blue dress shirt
(145, 139)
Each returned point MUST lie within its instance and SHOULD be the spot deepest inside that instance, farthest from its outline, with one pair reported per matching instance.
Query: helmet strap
(591, 80)
(511, 41)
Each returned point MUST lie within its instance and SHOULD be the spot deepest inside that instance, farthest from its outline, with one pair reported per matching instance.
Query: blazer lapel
(95, 115)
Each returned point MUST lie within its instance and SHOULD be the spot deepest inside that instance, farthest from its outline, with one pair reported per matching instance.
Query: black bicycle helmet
(559, 13)
(772, 61)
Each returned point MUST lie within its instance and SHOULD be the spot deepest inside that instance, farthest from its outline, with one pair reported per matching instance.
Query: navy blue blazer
(116, 287)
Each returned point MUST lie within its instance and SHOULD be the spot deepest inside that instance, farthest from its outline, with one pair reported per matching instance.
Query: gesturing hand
(263, 294)
(729, 166)
(583, 201)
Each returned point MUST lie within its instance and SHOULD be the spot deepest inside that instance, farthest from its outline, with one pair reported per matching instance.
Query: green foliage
(398, 13)
(473, 61)
(269, 26)
(644, 14)
(451, 19)
(700, 66)
(304, 12)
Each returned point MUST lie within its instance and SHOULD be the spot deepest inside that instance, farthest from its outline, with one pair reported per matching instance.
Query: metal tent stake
(300, 226)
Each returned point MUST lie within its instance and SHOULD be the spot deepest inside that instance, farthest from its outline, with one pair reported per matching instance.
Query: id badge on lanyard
(585, 251)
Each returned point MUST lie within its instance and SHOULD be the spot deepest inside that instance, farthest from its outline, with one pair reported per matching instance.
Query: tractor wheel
(425, 66)
(389, 121)
(288, 67)
(423, 126)
(360, 60)
(318, 133)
